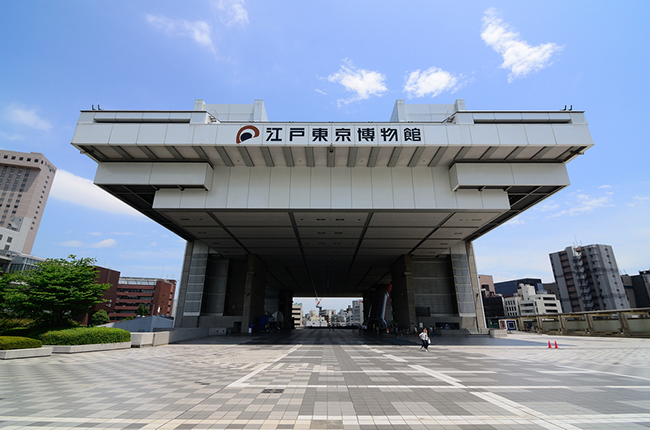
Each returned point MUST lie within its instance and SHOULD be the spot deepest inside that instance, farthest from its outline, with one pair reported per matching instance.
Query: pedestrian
(425, 340)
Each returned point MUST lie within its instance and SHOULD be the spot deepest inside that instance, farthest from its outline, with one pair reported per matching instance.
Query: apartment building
(588, 279)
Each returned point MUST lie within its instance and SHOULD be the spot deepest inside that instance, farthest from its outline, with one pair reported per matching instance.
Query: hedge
(85, 336)
(15, 342)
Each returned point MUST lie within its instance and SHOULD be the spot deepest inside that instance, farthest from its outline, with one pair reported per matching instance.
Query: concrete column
(476, 287)
(367, 300)
(192, 282)
(214, 293)
(286, 308)
(624, 325)
(403, 294)
(589, 319)
(562, 319)
(465, 294)
(254, 290)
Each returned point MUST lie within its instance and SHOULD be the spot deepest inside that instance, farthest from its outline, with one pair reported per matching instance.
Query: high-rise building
(25, 183)
(588, 279)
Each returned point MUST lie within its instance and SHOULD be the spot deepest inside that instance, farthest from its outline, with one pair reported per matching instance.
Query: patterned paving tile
(321, 379)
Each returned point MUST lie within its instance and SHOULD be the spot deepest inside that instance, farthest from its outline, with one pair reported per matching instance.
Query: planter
(73, 349)
(9, 354)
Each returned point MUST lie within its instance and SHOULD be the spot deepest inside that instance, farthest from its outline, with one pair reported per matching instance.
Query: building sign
(322, 134)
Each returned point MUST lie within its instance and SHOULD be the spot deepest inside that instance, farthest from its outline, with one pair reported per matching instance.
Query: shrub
(13, 323)
(18, 331)
(85, 336)
(100, 317)
(15, 342)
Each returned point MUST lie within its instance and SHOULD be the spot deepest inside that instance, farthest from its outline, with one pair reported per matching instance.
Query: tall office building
(25, 183)
(588, 279)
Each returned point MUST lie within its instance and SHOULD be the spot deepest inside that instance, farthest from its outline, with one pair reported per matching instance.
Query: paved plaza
(336, 379)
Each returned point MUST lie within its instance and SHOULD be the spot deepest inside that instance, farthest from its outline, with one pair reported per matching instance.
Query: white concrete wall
(331, 188)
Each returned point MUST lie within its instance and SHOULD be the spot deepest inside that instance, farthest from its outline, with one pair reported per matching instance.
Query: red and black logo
(248, 132)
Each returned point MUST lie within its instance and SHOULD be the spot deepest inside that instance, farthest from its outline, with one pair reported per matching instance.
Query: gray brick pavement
(321, 379)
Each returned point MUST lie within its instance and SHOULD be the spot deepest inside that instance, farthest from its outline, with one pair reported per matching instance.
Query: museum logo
(248, 132)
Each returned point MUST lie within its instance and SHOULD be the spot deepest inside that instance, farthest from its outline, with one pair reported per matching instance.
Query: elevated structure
(273, 210)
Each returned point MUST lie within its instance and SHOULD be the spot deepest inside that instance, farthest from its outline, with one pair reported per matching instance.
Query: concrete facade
(276, 210)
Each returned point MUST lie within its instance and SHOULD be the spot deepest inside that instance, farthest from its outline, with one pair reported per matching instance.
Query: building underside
(272, 211)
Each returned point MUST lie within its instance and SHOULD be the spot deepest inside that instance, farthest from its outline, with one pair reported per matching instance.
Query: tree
(143, 311)
(100, 317)
(55, 292)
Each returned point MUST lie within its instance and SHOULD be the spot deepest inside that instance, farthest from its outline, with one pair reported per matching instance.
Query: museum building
(376, 210)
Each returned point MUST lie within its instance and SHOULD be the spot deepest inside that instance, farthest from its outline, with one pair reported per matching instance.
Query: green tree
(143, 311)
(100, 317)
(55, 292)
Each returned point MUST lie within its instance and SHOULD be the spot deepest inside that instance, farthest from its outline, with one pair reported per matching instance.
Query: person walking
(425, 340)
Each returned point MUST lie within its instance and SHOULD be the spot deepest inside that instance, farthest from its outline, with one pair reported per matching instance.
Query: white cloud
(637, 200)
(515, 221)
(364, 83)
(431, 82)
(518, 55)
(320, 92)
(106, 243)
(584, 203)
(81, 191)
(27, 117)
(235, 12)
(10, 137)
(545, 207)
(605, 186)
(199, 31)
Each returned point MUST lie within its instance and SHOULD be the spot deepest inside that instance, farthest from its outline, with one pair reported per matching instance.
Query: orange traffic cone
(556, 345)
(549, 344)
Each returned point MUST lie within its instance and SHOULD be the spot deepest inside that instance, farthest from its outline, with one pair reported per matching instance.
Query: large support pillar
(481, 323)
(254, 291)
(286, 309)
(216, 284)
(367, 300)
(192, 281)
(403, 294)
(467, 286)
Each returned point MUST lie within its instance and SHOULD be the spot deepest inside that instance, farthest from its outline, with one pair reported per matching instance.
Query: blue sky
(334, 61)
